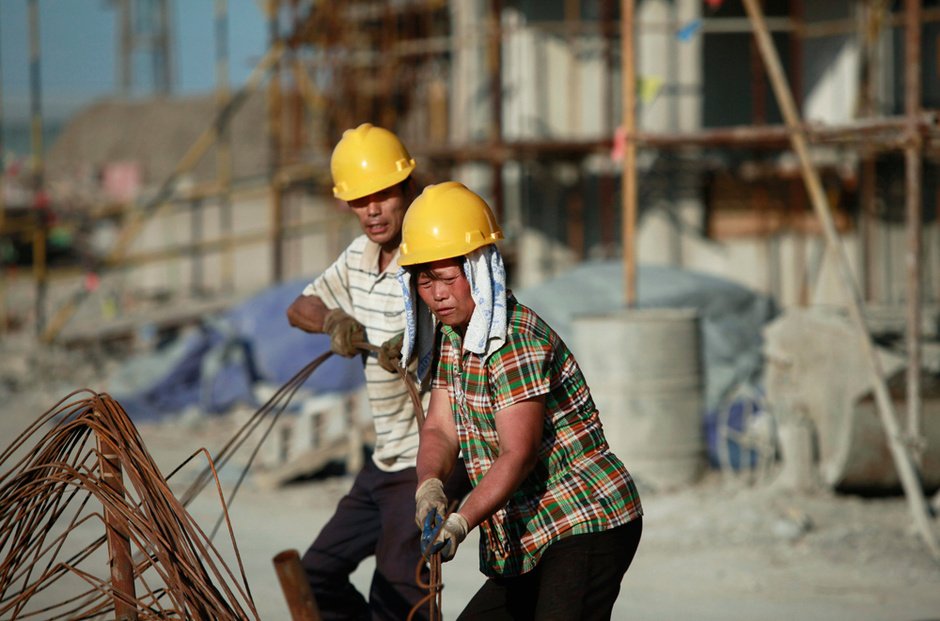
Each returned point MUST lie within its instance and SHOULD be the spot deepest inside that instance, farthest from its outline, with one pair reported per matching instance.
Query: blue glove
(433, 523)
(440, 535)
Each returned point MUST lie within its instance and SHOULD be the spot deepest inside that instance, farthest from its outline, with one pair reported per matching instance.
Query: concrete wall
(554, 84)
(331, 228)
(831, 68)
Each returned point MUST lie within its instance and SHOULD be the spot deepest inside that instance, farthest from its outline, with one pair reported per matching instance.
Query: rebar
(58, 490)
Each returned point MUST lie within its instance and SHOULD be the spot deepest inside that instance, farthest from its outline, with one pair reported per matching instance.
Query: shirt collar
(369, 262)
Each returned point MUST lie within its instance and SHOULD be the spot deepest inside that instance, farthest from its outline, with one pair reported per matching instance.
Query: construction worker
(358, 299)
(559, 514)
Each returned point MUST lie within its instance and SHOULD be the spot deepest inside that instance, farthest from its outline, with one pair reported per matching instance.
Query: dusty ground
(716, 550)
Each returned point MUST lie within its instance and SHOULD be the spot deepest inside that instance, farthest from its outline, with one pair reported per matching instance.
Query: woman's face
(445, 290)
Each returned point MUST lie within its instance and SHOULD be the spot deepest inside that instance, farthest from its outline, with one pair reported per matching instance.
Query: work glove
(440, 535)
(429, 497)
(344, 331)
(390, 353)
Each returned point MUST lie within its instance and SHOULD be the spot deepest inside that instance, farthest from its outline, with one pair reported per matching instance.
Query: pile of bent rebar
(89, 478)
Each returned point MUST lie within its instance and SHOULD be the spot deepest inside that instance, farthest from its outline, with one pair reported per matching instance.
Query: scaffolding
(394, 63)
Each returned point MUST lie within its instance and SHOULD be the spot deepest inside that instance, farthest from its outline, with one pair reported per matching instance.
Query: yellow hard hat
(446, 220)
(368, 159)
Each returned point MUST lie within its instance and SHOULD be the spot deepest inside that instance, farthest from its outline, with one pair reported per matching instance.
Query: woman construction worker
(559, 515)
(356, 300)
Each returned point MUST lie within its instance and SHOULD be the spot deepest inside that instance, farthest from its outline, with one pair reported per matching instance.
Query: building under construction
(699, 166)
(787, 146)
(522, 101)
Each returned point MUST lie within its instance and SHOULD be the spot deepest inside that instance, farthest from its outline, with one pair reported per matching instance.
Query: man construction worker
(358, 299)
(559, 515)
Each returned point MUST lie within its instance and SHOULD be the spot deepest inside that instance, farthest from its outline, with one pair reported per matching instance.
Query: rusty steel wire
(55, 497)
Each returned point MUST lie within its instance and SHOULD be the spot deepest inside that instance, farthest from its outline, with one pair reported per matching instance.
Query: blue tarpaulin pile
(217, 364)
(732, 318)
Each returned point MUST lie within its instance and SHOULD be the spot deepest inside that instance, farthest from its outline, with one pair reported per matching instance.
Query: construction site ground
(717, 550)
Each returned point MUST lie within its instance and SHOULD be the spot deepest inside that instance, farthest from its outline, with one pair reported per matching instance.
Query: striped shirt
(578, 485)
(354, 284)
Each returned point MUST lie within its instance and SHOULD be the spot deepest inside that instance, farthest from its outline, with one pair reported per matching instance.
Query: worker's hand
(390, 353)
(451, 535)
(344, 331)
(429, 497)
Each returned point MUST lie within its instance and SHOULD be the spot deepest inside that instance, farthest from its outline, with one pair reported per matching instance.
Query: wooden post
(628, 189)
(494, 69)
(275, 129)
(899, 451)
(290, 573)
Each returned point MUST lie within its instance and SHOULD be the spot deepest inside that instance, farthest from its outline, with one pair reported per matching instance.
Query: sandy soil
(717, 550)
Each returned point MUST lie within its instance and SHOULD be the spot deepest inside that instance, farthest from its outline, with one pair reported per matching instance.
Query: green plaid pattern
(578, 486)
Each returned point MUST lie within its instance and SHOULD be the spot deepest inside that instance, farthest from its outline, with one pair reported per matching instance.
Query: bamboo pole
(914, 209)
(224, 152)
(494, 70)
(37, 166)
(628, 190)
(3, 210)
(899, 450)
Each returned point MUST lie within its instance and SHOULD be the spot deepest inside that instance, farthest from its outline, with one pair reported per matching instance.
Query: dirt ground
(720, 549)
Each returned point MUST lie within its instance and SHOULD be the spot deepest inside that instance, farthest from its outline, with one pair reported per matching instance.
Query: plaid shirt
(578, 485)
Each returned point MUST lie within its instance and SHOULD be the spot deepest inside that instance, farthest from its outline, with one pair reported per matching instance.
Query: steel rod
(119, 544)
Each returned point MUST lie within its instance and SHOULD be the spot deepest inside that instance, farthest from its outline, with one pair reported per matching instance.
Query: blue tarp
(732, 318)
(216, 365)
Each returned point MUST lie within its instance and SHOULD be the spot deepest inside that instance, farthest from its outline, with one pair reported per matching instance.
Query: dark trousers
(377, 517)
(576, 578)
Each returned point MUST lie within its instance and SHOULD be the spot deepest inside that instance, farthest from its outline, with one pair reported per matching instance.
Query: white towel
(486, 331)
(418, 322)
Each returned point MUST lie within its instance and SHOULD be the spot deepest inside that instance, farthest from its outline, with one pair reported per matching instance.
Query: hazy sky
(78, 47)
